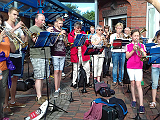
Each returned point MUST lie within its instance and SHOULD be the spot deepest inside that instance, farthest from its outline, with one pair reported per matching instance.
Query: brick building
(132, 13)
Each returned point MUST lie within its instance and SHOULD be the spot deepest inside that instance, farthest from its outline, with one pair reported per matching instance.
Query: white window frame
(116, 17)
(156, 19)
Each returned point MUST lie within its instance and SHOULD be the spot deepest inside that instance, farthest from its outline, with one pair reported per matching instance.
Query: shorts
(135, 74)
(39, 68)
(18, 64)
(58, 62)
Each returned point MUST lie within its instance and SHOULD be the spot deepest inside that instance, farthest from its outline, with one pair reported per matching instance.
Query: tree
(89, 15)
(73, 7)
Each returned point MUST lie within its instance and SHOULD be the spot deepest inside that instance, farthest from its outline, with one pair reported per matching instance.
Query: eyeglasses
(78, 28)
(100, 29)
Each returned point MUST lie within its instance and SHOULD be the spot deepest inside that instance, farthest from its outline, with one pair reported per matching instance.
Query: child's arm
(129, 54)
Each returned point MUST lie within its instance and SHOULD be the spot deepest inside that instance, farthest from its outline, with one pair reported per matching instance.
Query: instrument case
(109, 113)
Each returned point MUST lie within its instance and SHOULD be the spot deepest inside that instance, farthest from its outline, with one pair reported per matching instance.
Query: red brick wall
(136, 12)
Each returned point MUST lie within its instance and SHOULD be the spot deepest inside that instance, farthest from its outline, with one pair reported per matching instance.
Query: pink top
(134, 61)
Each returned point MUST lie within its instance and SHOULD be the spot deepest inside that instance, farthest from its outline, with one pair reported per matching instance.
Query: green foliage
(89, 15)
(73, 7)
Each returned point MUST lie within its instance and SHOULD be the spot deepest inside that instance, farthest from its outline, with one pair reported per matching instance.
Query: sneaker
(141, 109)
(114, 83)
(120, 83)
(152, 105)
(89, 85)
(63, 74)
(56, 94)
(74, 86)
(41, 100)
(16, 104)
(7, 111)
(5, 119)
(62, 92)
(133, 104)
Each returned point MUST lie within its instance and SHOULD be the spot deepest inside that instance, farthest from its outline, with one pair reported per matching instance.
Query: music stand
(78, 42)
(94, 50)
(42, 42)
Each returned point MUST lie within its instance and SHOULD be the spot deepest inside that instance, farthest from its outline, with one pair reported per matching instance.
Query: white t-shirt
(18, 32)
(112, 38)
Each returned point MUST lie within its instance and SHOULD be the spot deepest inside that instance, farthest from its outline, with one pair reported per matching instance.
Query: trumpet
(139, 52)
(27, 31)
(106, 44)
(13, 37)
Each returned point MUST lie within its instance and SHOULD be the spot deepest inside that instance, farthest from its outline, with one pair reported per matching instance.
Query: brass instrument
(13, 37)
(127, 37)
(45, 27)
(142, 31)
(27, 31)
(138, 51)
(106, 44)
(155, 39)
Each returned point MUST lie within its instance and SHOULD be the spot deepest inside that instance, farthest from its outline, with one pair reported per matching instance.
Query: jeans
(3, 84)
(155, 77)
(118, 58)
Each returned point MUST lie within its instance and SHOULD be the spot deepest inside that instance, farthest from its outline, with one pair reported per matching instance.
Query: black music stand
(78, 42)
(94, 50)
(120, 44)
(42, 42)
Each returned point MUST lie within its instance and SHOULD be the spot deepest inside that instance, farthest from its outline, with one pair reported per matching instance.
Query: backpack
(82, 77)
(116, 103)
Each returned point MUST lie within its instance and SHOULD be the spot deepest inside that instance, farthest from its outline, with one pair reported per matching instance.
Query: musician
(155, 76)
(80, 58)
(6, 46)
(98, 39)
(118, 55)
(58, 53)
(127, 33)
(37, 58)
(16, 58)
(92, 30)
(108, 53)
(134, 52)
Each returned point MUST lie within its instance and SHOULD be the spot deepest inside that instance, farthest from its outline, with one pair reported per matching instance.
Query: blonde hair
(92, 27)
(13, 8)
(59, 19)
(119, 24)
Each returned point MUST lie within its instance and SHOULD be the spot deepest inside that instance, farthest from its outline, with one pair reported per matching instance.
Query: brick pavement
(77, 108)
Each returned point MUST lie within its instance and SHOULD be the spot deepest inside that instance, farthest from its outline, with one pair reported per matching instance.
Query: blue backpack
(116, 103)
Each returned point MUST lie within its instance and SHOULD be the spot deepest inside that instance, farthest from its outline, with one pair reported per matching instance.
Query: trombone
(13, 37)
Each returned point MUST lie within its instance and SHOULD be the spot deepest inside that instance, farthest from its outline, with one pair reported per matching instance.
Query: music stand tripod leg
(157, 116)
(48, 87)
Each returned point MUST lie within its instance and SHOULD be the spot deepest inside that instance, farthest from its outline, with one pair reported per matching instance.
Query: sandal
(152, 105)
